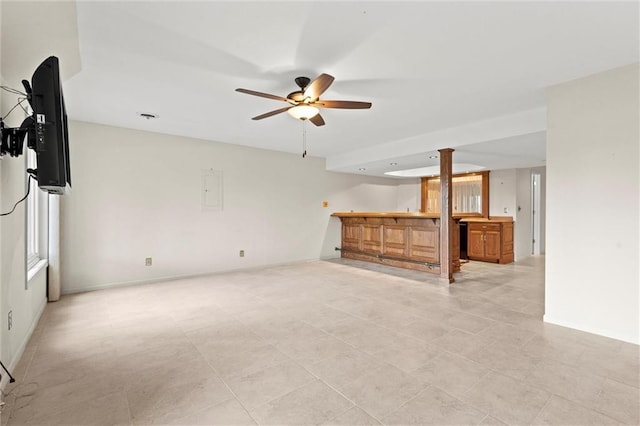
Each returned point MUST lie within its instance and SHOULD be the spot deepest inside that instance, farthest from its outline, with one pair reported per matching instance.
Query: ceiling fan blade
(317, 120)
(318, 86)
(270, 113)
(343, 104)
(262, 95)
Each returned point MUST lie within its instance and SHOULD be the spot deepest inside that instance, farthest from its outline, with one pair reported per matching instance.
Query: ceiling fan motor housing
(302, 82)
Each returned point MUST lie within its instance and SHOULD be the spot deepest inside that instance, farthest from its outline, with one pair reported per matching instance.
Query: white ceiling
(467, 75)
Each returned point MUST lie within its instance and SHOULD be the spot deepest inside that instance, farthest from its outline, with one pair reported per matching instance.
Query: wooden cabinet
(490, 240)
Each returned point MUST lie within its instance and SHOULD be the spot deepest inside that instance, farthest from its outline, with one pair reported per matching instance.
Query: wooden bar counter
(406, 240)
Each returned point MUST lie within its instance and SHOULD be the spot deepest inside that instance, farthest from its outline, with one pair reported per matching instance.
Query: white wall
(409, 195)
(138, 194)
(522, 215)
(502, 192)
(543, 206)
(592, 277)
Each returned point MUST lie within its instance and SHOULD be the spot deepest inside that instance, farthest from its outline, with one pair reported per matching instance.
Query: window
(33, 216)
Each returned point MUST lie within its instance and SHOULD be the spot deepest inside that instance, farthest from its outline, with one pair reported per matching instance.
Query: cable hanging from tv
(12, 90)
(11, 379)
(31, 176)
(19, 104)
(12, 138)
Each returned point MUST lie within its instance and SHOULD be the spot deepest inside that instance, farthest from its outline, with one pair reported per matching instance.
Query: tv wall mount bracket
(12, 138)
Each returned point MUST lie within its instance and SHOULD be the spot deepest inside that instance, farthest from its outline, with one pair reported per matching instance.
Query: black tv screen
(52, 135)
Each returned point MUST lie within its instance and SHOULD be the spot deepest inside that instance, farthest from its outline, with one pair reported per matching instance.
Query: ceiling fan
(304, 104)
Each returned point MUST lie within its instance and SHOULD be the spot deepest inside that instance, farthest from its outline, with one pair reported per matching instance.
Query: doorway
(535, 213)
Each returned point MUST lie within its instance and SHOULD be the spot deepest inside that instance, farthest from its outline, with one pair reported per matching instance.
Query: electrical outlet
(325, 204)
(10, 319)
(241, 253)
(148, 261)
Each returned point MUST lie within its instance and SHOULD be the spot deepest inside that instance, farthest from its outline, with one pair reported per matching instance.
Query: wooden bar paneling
(395, 240)
(406, 240)
(424, 244)
(351, 235)
(372, 238)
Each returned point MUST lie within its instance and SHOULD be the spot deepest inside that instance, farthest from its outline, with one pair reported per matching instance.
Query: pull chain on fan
(304, 138)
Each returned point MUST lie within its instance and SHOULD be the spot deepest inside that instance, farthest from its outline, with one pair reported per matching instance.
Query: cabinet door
(507, 239)
(475, 243)
(492, 244)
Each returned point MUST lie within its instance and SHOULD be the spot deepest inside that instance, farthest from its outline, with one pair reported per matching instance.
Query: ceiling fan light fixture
(303, 112)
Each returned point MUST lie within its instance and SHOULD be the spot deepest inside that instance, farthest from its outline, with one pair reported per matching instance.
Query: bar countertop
(417, 215)
(420, 215)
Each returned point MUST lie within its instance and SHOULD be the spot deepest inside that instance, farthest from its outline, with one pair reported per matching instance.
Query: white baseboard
(180, 277)
(600, 332)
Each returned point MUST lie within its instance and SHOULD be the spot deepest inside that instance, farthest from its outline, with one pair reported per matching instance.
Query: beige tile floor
(336, 343)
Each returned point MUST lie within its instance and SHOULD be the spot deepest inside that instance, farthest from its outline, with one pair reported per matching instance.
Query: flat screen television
(51, 141)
